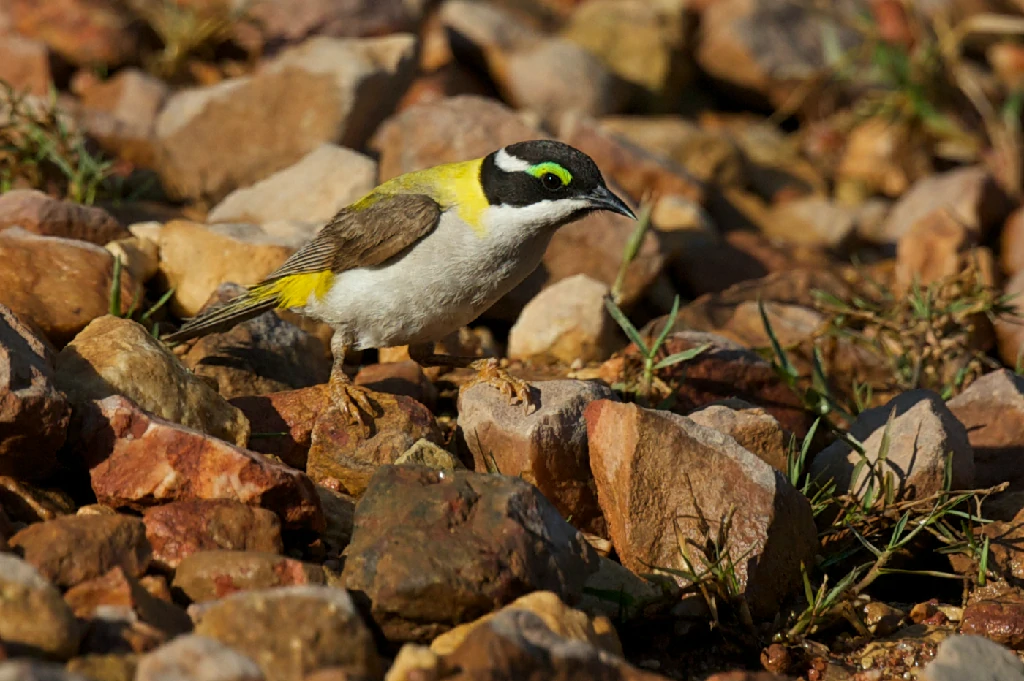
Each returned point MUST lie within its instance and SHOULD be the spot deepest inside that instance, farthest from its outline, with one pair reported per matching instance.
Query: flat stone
(137, 460)
(34, 619)
(483, 539)
(324, 630)
(212, 575)
(33, 413)
(181, 528)
(73, 549)
(114, 356)
(655, 470)
(547, 448)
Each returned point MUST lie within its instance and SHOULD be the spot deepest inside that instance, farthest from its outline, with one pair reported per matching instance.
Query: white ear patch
(509, 163)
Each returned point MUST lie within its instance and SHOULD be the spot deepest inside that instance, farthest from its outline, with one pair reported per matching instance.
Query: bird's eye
(551, 182)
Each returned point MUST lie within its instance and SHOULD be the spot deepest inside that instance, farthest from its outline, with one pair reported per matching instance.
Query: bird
(424, 254)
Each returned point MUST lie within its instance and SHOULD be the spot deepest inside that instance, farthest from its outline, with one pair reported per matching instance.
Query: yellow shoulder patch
(295, 290)
(454, 185)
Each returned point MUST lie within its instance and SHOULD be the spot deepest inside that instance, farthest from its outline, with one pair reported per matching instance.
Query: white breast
(442, 283)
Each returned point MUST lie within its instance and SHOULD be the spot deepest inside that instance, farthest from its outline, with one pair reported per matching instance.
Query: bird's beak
(602, 199)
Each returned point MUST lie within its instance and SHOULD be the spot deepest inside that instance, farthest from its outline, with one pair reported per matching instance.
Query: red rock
(41, 214)
(999, 620)
(179, 529)
(282, 423)
(992, 411)
(138, 460)
(85, 32)
(73, 549)
(344, 457)
(212, 575)
(657, 473)
(399, 378)
(33, 414)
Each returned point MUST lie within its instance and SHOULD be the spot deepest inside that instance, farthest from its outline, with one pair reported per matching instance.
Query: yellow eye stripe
(551, 167)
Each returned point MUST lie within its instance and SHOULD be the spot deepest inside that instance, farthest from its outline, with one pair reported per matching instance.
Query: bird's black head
(548, 177)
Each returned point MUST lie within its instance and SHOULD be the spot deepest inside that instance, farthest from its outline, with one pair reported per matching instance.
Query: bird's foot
(354, 402)
(489, 371)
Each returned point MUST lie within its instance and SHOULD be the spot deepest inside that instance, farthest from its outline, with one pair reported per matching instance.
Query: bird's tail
(252, 303)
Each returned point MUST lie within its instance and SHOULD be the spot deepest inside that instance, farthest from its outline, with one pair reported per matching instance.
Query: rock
(767, 49)
(196, 259)
(138, 460)
(775, 168)
(556, 615)
(197, 658)
(33, 414)
(280, 21)
(566, 321)
(339, 513)
(971, 194)
(115, 356)
(179, 529)
(931, 250)
(882, 156)
(484, 540)
(620, 595)
(343, 457)
(547, 448)
(1012, 243)
(1009, 333)
(282, 423)
(973, 658)
(263, 355)
(923, 433)
(467, 127)
(59, 306)
(326, 180)
(426, 453)
(111, 667)
(222, 137)
(34, 620)
(211, 575)
(999, 620)
(518, 644)
(631, 167)
(27, 504)
(814, 220)
(656, 470)
(990, 410)
(25, 64)
(84, 32)
(34, 670)
(123, 616)
(73, 549)
(752, 427)
(139, 256)
(399, 378)
(120, 113)
(324, 630)
(643, 43)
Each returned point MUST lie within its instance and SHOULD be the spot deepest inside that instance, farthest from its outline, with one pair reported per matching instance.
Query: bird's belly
(443, 283)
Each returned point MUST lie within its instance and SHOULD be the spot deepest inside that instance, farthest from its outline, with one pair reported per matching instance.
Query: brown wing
(364, 238)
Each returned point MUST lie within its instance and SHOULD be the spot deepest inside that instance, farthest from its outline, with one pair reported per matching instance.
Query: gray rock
(33, 670)
(973, 658)
(197, 658)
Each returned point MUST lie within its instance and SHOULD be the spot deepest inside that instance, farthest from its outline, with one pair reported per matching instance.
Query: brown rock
(120, 113)
(656, 470)
(216, 139)
(212, 575)
(1011, 252)
(84, 32)
(1009, 331)
(122, 615)
(74, 549)
(931, 250)
(883, 156)
(399, 378)
(27, 504)
(339, 513)
(179, 529)
(482, 540)
(44, 215)
(1000, 620)
(343, 457)
(282, 423)
(324, 630)
(547, 448)
(138, 460)
(25, 64)
(263, 355)
(971, 194)
(37, 670)
(631, 167)
(923, 433)
(196, 658)
(281, 22)
(752, 427)
(115, 356)
(34, 619)
(104, 667)
(811, 220)
(992, 411)
(33, 414)
(59, 306)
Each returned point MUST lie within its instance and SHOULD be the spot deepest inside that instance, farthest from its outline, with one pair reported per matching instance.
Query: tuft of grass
(40, 149)
(116, 308)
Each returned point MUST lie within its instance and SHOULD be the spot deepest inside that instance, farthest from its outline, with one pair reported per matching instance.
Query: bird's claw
(517, 390)
(355, 403)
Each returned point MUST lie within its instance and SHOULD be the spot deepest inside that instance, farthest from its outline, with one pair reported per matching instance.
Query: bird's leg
(353, 400)
(488, 370)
